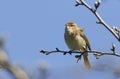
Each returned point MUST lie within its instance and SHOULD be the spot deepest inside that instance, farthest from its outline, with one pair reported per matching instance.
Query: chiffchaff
(76, 40)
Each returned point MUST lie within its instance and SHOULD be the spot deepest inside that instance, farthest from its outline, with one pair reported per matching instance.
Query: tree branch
(97, 54)
(100, 20)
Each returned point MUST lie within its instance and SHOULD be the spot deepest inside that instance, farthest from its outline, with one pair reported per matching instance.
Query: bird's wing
(81, 29)
(86, 40)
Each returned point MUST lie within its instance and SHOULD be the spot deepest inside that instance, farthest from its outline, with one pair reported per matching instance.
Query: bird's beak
(68, 27)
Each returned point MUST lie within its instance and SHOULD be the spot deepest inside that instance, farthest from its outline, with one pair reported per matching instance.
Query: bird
(76, 40)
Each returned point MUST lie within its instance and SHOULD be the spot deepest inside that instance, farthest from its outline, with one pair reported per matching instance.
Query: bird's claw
(78, 57)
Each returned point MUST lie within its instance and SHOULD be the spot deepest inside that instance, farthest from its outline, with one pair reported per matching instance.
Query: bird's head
(71, 27)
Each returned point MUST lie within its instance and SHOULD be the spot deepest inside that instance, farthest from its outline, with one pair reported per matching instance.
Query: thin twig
(101, 21)
(96, 53)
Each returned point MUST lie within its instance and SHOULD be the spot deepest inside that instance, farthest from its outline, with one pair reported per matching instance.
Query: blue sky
(33, 25)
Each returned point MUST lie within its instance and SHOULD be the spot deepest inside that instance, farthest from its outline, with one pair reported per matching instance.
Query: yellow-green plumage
(76, 40)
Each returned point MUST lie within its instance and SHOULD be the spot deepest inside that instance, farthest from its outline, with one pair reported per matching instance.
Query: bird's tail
(86, 61)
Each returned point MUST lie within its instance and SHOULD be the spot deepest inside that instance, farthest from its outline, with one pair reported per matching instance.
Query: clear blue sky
(31, 25)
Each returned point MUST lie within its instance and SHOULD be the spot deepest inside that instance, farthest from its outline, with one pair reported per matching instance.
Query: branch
(100, 20)
(78, 52)
(97, 54)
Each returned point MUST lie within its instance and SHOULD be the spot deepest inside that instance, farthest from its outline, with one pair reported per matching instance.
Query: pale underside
(75, 43)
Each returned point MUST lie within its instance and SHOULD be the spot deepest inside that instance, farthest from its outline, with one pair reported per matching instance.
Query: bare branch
(100, 20)
(97, 54)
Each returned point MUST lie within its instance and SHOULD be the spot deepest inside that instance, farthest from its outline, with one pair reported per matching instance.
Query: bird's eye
(71, 26)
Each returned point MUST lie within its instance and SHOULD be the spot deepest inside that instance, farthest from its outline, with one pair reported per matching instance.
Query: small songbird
(76, 40)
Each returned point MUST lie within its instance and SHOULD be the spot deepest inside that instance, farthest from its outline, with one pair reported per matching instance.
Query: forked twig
(100, 20)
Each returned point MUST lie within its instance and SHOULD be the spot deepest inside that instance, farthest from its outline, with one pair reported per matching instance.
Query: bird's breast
(76, 42)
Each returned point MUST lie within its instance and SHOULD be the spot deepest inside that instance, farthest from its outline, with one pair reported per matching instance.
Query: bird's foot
(78, 57)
